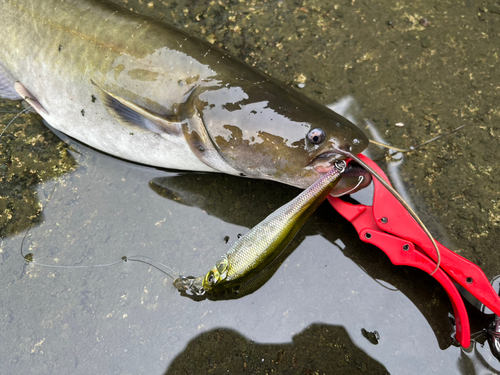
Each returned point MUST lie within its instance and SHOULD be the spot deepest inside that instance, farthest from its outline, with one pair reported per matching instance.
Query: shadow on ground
(319, 349)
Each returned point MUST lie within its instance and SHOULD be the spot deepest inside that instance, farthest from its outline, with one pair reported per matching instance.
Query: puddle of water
(328, 293)
(331, 302)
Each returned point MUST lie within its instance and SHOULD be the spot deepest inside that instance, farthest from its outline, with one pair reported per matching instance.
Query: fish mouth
(354, 177)
(324, 162)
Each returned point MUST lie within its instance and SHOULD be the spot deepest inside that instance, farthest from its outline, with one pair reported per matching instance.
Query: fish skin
(144, 91)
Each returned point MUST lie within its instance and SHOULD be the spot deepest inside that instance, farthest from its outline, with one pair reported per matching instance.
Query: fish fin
(197, 137)
(136, 117)
(30, 99)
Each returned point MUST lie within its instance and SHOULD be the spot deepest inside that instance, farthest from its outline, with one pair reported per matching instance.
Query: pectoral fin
(199, 140)
(136, 117)
(30, 99)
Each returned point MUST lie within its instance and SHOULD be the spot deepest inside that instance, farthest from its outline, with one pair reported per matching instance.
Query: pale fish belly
(73, 112)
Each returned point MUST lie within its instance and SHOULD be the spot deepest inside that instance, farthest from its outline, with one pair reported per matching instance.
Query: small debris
(373, 337)
(424, 22)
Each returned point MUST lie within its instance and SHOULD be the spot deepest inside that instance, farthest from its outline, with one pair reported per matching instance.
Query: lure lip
(190, 284)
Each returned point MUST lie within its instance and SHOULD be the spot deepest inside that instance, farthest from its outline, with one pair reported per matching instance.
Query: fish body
(141, 90)
(264, 242)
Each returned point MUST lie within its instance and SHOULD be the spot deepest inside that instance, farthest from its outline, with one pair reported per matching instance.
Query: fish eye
(316, 136)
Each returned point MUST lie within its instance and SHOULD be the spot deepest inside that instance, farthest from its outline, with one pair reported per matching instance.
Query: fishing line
(412, 148)
(125, 258)
(15, 117)
(403, 202)
(75, 267)
(396, 194)
(135, 258)
(379, 282)
(27, 257)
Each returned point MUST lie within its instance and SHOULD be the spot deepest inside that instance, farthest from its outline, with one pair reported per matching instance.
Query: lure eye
(316, 136)
(211, 279)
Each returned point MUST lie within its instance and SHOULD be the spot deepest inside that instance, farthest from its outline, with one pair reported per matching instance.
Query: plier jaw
(388, 225)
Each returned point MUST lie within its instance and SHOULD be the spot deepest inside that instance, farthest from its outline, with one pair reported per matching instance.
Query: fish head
(248, 125)
(277, 134)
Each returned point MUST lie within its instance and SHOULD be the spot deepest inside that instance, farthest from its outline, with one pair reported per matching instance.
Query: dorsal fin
(136, 117)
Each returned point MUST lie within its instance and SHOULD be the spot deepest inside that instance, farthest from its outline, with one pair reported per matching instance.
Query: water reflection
(472, 361)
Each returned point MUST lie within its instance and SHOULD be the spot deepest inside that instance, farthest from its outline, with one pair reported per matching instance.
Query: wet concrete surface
(331, 304)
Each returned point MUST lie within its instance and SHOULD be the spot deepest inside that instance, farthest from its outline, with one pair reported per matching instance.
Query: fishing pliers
(388, 225)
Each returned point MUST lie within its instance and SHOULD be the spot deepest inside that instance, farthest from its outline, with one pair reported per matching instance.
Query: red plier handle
(388, 225)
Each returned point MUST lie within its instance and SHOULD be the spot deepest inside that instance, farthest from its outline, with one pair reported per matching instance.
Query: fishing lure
(264, 242)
